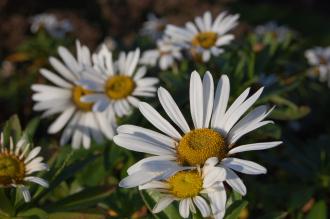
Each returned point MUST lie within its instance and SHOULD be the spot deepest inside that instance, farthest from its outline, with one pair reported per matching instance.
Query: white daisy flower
(280, 33)
(55, 27)
(216, 130)
(117, 85)
(319, 58)
(165, 54)
(204, 38)
(153, 27)
(80, 122)
(18, 164)
(202, 188)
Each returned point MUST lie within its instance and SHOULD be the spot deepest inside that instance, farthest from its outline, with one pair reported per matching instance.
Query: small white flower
(117, 85)
(216, 131)
(165, 54)
(80, 122)
(18, 164)
(319, 58)
(201, 188)
(55, 27)
(279, 33)
(204, 37)
(153, 27)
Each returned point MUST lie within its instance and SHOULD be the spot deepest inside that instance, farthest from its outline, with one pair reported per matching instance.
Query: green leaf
(151, 198)
(12, 129)
(33, 213)
(32, 127)
(75, 215)
(235, 209)
(80, 200)
(318, 211)
(5, 204)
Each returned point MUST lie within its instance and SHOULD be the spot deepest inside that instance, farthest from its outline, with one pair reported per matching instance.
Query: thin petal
(196, 99)
(172, 109)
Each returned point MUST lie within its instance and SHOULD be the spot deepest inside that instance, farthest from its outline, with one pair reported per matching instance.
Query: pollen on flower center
(12, 169)
(200, 144)
(186, 184)
(77, 93)
(205, 39)
(119, 86)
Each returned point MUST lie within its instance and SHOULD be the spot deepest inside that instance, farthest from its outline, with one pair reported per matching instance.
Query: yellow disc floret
(119, 86)
(77, 93)
(12, 169)
(205, 39)
(186, 184)
(200, 144)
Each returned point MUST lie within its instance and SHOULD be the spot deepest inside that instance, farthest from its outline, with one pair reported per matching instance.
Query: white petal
(196, 99)
(235, 182)
(32, 154)
(184, 208)
(162, 204)
(254, 147)
(237, 114)
(148, 134)
(37, 180)
(158, 121)
(244, 166)
(208, 96)
(218, 198)
(202, 206)
(155, 185)
(61, 121)
(55, 79)
(137, 166)
(138, 178)
(172, 109)
(214, 175)
(239, 100)
(232, 139)
(220, 101)
(26, 194)
(62, 69)
(140, 144)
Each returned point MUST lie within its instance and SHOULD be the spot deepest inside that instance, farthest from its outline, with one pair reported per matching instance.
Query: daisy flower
(76, 117)
(215, 132)
(55, 27)
(116, 86)
(319, 58)
(154, 26)
(279, 33)
(201, 188)
(204, 38)
(165, 54)
(18, 164)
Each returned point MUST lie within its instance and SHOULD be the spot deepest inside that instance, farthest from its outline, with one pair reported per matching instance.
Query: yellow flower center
(200, 144)
(119, 86)
(77, 93)
(12, 169)
(205, 39)
(186, 184)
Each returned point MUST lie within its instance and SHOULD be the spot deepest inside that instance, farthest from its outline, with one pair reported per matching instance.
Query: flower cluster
(210, 145)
